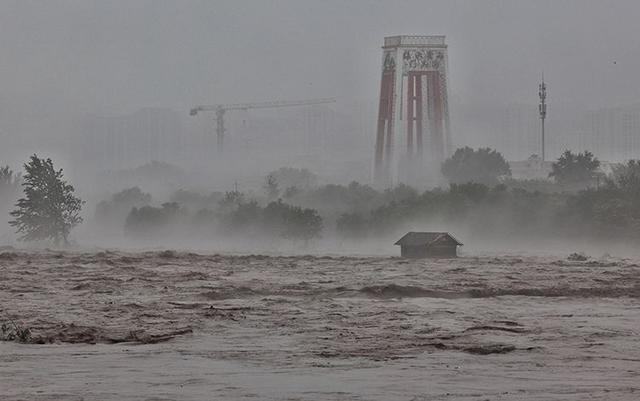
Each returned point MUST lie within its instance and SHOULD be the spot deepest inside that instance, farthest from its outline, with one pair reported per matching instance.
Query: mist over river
(169, 325)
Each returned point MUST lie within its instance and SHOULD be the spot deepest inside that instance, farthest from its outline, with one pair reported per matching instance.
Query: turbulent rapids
(552, 328)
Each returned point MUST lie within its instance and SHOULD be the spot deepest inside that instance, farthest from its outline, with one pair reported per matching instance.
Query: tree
(121, 203)
(231, 200)
(627, 177)
(271, 187)
(399, 193)
(291, 192)
(131, 196)
(149, 220)
(334, 198)
(576, 170)
(294, 177)
(245, 217)
(9, 181)
(292, 222)
(193, 200)
(9, 185)
(302, 224)
(482, 166)
(49, 209)
(352, 225)
(9, 192)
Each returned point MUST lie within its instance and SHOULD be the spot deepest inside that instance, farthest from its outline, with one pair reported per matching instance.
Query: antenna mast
(542, 108)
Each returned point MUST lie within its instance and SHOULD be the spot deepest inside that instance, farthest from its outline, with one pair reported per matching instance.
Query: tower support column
(413, 97)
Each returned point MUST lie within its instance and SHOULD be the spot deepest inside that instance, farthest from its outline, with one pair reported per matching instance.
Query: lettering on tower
(413, 111)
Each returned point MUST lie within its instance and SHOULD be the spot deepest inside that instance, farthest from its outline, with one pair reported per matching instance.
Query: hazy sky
(121, 55)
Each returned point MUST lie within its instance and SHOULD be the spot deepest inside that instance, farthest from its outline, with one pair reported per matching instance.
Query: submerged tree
(49, 209)
(482, 166)
(575, 169)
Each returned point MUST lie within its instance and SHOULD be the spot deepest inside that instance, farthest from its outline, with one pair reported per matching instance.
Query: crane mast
(221, 109)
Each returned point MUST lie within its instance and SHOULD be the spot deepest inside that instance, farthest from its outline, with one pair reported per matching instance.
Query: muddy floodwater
(182, 326)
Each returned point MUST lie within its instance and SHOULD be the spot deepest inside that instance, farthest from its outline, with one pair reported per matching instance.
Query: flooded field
(183, 326)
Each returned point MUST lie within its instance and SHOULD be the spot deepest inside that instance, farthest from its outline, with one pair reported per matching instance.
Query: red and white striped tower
(414, 109)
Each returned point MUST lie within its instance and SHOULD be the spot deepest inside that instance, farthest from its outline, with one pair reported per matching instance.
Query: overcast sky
(117, 56)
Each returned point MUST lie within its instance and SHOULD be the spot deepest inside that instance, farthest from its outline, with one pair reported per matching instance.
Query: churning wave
(408, 291)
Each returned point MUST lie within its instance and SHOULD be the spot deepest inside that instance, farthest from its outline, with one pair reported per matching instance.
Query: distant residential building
(521, 131)
(533, 168)
(613, 134)
(131, 140)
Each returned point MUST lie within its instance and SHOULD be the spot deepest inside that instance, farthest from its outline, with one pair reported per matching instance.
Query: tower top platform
(414, 40)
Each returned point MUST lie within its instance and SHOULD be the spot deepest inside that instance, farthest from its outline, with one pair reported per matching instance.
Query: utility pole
(220, 127)
(542, 108)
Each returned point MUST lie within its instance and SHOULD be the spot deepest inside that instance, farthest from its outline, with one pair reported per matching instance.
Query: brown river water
(182, 326)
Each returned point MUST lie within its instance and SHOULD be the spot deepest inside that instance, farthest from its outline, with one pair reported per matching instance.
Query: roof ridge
(426, 237)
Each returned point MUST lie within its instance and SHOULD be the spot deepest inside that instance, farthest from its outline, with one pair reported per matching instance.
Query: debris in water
(578, 257)
(489, 349)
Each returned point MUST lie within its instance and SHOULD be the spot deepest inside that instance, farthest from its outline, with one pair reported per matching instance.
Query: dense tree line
(569, 203)
(580, 202)
(576, 200)
(233, 215)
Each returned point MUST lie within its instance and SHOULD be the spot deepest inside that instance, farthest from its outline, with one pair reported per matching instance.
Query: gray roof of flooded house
(414, 238)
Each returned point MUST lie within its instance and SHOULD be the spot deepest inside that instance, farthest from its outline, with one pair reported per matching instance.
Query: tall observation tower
(413, 111)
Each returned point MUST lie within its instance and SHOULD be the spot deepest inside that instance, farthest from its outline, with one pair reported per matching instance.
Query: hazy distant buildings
(513, 130)
(333, 142)
(613, 134)
(520, 132)
(533, 168)
(126, 141)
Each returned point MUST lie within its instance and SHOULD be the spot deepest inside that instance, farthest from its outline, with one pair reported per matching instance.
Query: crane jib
(220, 109)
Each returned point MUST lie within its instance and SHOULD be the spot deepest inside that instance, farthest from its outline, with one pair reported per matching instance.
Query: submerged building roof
(414, 238)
